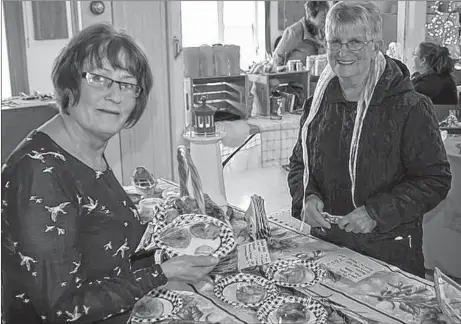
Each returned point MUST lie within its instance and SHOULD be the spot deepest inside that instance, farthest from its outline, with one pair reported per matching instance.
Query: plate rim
(224, 248)
(165, 294)
(221, 284)
(320, 273)
(322, 319)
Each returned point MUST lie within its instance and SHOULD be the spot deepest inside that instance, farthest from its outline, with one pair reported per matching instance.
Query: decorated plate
(156, 306)
(172, 192)
(194, 234)
(293, 310)
(245, 290)
(134, 193)
(295, 273)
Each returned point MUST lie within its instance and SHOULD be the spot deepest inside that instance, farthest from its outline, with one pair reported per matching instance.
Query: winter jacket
(441, 88)
(402, 167)
(298, 41)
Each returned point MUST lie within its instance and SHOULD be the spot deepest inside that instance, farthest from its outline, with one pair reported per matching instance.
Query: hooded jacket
(402, 167)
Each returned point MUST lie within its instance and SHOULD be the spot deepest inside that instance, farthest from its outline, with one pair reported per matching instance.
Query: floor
(269, 183)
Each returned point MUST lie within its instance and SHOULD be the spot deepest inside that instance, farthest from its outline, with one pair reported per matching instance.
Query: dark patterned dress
(68, 239)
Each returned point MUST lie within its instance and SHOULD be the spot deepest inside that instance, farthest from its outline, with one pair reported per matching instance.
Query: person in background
(433, 67)
(69, 230)
(369, 148)
(305, 37)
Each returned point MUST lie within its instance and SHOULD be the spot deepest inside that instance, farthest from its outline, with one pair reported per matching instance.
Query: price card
(351, 265)
(253, 254)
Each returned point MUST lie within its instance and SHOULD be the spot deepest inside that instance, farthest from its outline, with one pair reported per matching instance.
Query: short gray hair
(355, 14)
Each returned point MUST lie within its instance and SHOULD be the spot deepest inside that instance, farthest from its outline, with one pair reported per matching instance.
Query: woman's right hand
(313, 212)
(188, 268)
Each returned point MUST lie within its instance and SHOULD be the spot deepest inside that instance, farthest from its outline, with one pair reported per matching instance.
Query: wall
(17, 123)
(389, 15)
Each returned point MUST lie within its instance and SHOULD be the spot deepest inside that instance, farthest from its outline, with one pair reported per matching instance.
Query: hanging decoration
(443, 28)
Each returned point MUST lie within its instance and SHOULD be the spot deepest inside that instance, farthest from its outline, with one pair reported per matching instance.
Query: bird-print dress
(68, 239)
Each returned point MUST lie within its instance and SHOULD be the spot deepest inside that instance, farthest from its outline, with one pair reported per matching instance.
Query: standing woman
(432, 77)
(369, 147)
(305, 37)
(69, 230)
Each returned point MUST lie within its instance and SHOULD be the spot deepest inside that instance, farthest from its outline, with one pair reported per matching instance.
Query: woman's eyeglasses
(352, 45)
(103, 82)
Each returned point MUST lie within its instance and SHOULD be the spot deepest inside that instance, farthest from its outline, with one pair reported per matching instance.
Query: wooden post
(411, 28)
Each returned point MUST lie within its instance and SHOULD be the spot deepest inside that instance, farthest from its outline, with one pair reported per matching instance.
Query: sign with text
(253, 254)
(350, 265)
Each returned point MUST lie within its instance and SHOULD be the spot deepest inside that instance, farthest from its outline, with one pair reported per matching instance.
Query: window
(239, 23)
(6, 83)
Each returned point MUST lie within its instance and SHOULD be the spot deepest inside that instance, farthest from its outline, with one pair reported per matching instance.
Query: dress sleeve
(296, 173)
(40, 250)
(428, 177)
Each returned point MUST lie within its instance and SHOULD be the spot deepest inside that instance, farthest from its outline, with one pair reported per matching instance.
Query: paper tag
(350, 265)
(253, 254)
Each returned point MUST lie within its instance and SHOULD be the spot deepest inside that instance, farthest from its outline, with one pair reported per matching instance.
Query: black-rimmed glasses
(103, 82)
(352, 45)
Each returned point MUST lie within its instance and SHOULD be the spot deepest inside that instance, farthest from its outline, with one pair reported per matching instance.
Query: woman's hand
(313, 212)
(188, 268)
(357, 221)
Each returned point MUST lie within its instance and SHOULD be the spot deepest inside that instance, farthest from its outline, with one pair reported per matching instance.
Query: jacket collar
(395, 79)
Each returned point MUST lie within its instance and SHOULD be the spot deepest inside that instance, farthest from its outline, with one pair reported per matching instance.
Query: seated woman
(369, 147)
(69, 230)
(433, 78)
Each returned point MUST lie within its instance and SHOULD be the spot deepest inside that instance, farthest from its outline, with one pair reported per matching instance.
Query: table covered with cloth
(389, 295)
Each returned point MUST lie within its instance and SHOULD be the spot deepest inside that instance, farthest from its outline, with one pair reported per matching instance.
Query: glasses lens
(97, 80)
(334, 45)
(355, 45)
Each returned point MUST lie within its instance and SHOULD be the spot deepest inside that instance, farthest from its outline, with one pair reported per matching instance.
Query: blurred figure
(305, 37)
(433, 67)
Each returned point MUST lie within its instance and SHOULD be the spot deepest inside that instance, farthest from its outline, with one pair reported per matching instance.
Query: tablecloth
(389, 296)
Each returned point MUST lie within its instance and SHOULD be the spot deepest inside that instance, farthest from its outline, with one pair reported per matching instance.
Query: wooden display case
(265, 83)
(228, 94)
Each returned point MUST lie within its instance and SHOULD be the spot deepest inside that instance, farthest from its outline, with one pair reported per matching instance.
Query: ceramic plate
(291, 309)
(194, 234)
(134, 193)
(295, 273)
(245, 290)
(156, 306)
(172, 192)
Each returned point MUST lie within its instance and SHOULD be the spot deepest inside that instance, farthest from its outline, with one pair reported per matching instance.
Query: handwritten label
(352, 266)
(253, 254)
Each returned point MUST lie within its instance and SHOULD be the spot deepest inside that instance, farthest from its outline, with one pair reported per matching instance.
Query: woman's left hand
(357, 221)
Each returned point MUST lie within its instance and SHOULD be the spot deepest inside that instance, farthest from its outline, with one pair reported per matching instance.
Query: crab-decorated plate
(194, 234)
(245, 290)
(295, 273)
(156, 306)
(292, 310)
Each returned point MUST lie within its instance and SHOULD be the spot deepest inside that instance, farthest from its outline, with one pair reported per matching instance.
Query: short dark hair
(92, 45)
(437, 57)
(313, 8)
